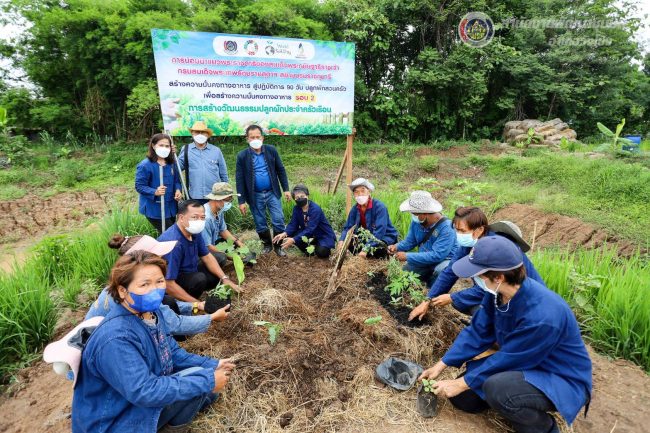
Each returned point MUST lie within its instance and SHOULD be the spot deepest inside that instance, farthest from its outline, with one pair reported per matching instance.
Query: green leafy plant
(403, 285)
(272, 328)
(427, 385)
(310, 248)
(222, 292)
(532, 137)
(237, 256)
(365, 237)
(616, 141)
(372, 320)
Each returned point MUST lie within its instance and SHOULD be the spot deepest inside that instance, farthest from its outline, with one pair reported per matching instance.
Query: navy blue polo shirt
(184, 258)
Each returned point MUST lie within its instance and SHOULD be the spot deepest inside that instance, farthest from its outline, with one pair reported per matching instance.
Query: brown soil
(33, 216)
(319, 376)
(558, 230)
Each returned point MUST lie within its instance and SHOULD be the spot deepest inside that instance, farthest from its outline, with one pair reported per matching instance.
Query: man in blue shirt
(216, 231)
(542, 364)
(260, 173)
(191, 269)
(431, 233)
(203, 163)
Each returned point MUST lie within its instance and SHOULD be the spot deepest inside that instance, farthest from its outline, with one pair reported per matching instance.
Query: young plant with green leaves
(222, 292)
(371, 321)
(427, 385)
(273, 329)
(237, 255)
(366, 238)
(405, 287)
(616, 141)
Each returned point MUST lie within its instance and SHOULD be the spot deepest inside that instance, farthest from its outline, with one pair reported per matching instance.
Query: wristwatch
(225, 277)
(195, 308)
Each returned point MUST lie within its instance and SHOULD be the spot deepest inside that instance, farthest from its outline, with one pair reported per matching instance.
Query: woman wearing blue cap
(542, 364)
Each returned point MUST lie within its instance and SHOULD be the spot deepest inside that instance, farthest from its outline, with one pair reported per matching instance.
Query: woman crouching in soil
(133, 375)
(541, 364)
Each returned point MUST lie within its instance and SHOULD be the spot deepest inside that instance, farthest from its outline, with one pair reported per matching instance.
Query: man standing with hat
(431, 233)
(216, 231)
(203, 163)
(260, 174)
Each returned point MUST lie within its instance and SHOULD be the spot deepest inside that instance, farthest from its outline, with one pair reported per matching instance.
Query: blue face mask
(226, 207)
(148, 302)
(415, 219)
(465, 239)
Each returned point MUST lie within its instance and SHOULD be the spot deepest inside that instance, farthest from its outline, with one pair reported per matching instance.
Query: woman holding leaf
(309, 228)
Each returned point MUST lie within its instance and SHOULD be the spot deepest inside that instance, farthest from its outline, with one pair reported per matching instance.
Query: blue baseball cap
(491, 253)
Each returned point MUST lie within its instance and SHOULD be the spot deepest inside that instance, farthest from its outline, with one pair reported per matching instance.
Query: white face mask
(162, 152)
(255, 144)
(200, 138)
(196, 226)
(362, 199)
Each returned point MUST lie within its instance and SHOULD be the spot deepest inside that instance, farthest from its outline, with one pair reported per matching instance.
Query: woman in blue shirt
(309, 221)
(147, 183)
(542, 364)
(471, 224)
(133, 375)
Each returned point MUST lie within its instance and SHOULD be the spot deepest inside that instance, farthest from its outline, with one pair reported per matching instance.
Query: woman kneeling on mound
(542, 364)
(133, 375)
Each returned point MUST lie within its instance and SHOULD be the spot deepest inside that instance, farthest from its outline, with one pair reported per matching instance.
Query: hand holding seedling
(232, 285)
(401, 256)
(221, 314)
(450, 388)
(433, 372)
(392, 249)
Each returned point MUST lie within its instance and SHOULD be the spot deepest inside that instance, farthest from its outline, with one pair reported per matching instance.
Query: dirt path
(319, 375)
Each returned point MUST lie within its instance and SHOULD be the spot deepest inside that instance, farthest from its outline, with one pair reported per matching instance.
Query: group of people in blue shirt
(133, 373)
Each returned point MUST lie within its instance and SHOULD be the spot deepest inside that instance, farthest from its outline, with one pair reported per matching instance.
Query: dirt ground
(319, 376)
(551, 229)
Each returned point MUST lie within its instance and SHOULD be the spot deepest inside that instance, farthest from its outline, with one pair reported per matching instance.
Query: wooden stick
(532, 245)
(340, 172)
(348, 175)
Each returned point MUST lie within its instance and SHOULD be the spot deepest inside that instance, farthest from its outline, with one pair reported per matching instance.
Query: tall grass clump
(609, 296)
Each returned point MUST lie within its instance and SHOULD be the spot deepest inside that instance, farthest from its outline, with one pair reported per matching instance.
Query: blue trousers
(183, 412)
(267, 200)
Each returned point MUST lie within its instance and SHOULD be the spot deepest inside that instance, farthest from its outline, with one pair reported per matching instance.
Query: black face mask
(301, 201)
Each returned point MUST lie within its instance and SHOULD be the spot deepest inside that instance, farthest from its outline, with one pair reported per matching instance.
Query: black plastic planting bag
(398, 373)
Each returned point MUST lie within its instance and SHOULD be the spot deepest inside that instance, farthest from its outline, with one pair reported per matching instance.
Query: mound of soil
(559, 230)
(400, 313)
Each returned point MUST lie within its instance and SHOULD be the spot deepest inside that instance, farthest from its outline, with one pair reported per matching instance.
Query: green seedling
(403, 284)
(372, 320)
(310, 248)
(272, 328)
(427, 385)
(221, 291)
(365, 237)
(237, 256)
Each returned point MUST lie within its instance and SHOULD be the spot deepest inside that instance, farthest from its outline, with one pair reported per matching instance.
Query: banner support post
(348, 174)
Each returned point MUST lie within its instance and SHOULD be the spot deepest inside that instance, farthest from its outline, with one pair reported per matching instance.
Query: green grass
(609, 296)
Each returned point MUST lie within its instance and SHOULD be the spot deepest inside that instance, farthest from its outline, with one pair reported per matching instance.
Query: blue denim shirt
(538, 335)
(440, 246)
(262, 177)
(120, 386)
(214, 225)
(207, 167)
(183, 324)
